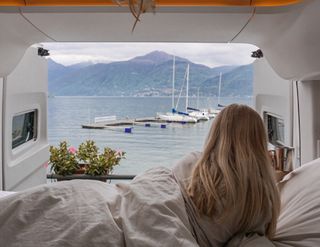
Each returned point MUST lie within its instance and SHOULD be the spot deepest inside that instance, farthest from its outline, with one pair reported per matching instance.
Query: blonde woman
(229, 188)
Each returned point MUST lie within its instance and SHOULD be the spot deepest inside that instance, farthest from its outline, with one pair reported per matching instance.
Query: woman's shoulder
(188, 160)
(183, 168)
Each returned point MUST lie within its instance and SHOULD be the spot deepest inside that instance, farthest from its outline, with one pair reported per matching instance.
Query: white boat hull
(211, 113)
(171, 117)
(199, 115)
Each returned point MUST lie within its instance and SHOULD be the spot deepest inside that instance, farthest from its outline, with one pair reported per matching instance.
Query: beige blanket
(149, 211)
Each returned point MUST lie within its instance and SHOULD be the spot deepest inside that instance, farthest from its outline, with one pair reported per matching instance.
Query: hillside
(237, 82)
(148, 75)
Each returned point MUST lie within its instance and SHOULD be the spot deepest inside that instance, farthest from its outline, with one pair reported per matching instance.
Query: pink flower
(119, 154)
(72, 150)
(45, 165)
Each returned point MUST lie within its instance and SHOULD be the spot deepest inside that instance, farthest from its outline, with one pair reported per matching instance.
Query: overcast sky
(211, 55)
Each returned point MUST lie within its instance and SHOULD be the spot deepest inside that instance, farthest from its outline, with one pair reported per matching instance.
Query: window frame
(280, 135)
(24, 139)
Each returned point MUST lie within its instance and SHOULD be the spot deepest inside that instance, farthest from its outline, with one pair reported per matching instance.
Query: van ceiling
(288, 35)
(259, 3)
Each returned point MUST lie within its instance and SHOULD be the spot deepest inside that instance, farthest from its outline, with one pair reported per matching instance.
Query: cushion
(299, 220)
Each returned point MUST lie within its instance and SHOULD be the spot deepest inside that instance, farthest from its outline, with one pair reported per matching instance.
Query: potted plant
(66, 160)
(62, 160)
(98, 163)
(86, 154)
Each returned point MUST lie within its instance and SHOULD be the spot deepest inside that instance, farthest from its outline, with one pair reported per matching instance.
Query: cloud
(208, 54)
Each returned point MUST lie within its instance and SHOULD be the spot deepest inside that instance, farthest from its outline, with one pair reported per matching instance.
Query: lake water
(145, 147)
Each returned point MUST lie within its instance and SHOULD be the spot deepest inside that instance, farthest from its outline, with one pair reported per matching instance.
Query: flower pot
(81, 169)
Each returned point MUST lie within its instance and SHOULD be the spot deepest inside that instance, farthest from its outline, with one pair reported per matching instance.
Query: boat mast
(173, 79)
(219, 88)
(198, 98)
(187, 89)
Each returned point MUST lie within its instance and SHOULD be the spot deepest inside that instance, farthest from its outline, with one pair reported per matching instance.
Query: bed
(299, 220)
(147, 212)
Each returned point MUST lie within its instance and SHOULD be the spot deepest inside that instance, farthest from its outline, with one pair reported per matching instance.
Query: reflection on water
(145, 147)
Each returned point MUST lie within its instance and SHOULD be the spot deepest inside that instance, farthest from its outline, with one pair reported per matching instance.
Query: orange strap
(158, 2)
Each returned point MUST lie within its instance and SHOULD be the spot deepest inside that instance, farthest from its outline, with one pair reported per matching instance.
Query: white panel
(309, 102)
(296, 127)
(16, 36)
(288, 35)
(273, 94)
(161, 27)
(1, 103)
(289, 40)
(25, 90)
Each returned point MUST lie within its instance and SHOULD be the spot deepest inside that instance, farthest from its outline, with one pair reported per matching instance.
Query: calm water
(144, 147)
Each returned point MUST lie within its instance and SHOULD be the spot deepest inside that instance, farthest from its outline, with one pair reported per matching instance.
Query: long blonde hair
(234, 173)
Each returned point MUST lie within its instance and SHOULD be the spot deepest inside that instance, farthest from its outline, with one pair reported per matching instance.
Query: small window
(24, 128)
(275, 127)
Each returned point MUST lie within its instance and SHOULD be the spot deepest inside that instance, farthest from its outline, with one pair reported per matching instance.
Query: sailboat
(174, 115)
(198, 114)
(218, 109)
(214, 112)
(194, 112)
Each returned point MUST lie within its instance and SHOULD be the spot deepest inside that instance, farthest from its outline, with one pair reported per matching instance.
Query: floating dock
(146, 122)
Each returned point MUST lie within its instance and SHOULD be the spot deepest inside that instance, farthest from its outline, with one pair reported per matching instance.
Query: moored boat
(175, 117)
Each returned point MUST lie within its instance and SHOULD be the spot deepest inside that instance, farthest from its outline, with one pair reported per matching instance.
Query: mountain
(80, 65)
(236, 82)
(223, 69)
(56, 70)
(155, 58)
(147, 75)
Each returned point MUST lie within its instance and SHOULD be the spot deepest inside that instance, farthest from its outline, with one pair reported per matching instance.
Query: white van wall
(309, 105)
(275, 96)
(25, 89)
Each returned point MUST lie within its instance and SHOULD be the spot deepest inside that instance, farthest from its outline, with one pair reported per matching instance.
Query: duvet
(149, 211)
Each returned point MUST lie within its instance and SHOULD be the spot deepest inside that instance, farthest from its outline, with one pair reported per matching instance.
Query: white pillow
(299, 220)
